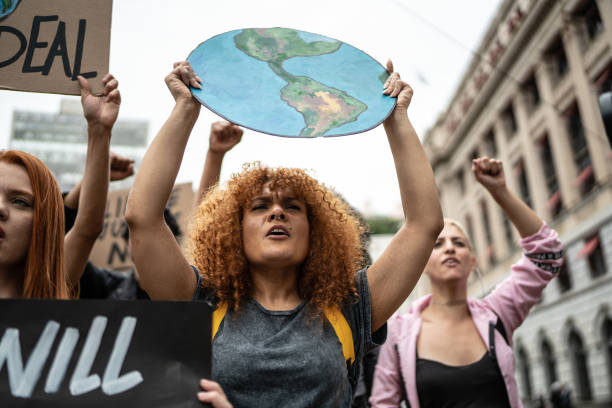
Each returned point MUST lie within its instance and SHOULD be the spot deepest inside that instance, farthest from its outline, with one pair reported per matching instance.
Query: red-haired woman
(36, 259)
(278, 251)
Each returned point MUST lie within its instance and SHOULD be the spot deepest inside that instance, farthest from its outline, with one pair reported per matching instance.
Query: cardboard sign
(45, 44)
(111, 250)
(100, 353)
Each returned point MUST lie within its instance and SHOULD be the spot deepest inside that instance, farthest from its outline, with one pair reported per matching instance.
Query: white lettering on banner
(23, 381)
(111, 383)
(62, 359)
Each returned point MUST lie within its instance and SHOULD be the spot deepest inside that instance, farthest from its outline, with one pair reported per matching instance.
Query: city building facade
(530, 98)
(60, 140)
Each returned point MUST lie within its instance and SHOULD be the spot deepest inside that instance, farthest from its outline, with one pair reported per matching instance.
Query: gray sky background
(148, 36)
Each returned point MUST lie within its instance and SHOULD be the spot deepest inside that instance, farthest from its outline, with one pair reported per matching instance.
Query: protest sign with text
(46, 44)
(100, 353)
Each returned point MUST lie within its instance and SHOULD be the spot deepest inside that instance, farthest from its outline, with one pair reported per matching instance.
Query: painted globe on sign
(292, 83)
(7, 7)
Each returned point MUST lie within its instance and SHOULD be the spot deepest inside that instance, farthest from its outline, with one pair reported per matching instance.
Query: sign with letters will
(100, 353)
(46, 44)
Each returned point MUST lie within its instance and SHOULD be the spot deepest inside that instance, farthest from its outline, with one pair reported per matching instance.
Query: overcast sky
(430, 43)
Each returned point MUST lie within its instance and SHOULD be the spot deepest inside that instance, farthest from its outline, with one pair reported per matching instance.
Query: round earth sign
(291, 83)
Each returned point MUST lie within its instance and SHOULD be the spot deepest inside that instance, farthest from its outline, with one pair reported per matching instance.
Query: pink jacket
(510, 301)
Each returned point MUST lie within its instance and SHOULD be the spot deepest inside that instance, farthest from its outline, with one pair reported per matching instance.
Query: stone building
(530, 98)
(60, 140)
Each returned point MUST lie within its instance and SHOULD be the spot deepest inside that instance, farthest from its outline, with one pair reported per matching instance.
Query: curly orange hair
(327, 276)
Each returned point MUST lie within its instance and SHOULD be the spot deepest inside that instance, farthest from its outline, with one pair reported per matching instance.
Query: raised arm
(164, 272)
(101, 113)
(223, 136)
(393, 276)
(490, 174)
(121, 167)
(542, 251)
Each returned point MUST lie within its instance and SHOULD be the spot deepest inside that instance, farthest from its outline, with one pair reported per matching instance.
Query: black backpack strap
(404, 394)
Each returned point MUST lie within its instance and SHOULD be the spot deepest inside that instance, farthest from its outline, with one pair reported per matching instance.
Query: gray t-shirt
(264, 358)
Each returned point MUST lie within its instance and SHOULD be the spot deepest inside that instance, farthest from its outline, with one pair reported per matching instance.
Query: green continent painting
(7, 7)
(290, 83)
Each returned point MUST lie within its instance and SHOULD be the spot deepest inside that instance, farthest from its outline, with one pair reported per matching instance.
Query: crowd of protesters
(282, 259)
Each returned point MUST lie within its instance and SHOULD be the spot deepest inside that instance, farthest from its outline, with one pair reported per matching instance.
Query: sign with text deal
(46, 44)
(102, 353)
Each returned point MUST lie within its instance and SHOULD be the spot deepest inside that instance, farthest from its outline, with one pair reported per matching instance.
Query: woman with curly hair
(279, 253)
(37, 259)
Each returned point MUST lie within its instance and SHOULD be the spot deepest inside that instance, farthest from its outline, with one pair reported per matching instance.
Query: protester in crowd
(121, 167)
(37, 260)
(449, 350)
(95, 282)
(223, 136)
(102, 283)
(560, 395)
(366, 379)
(277, 253)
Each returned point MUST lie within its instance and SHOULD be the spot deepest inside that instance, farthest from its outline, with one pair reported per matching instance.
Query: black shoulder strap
(404, 395)
(499, 326)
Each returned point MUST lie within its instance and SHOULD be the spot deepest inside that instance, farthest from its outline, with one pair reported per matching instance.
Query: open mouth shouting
(278, 232)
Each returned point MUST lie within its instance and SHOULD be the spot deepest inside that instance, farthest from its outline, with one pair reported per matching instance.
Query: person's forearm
(416, 180)
(72, 198)
(522, 217)
(94, 185)
(155, 178)
(210, 174)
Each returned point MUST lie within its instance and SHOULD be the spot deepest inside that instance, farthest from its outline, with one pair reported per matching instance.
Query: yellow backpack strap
(217, 318)
(343, 331)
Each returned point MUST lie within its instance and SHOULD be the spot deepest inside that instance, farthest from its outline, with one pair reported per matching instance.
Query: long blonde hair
(459, 226)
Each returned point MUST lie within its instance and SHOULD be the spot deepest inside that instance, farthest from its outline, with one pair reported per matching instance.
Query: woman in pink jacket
(451, 351)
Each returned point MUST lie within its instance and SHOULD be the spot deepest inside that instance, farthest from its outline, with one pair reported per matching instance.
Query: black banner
(99, 353)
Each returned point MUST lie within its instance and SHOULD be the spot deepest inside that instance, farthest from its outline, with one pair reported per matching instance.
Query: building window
(603, 84)
(532, 96)
(470, 227)
(588, 14)
(578, 356)
(607, 339)
(558, 60)
(521, 175)
(474, 154)
(461, 181)
(525, 370)
(508, 231)
(593, 252)
(585, 179)
(549, 362)
(487, 227)
(509, 120)
(554, 195)
(563, 279)
(491, 146)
